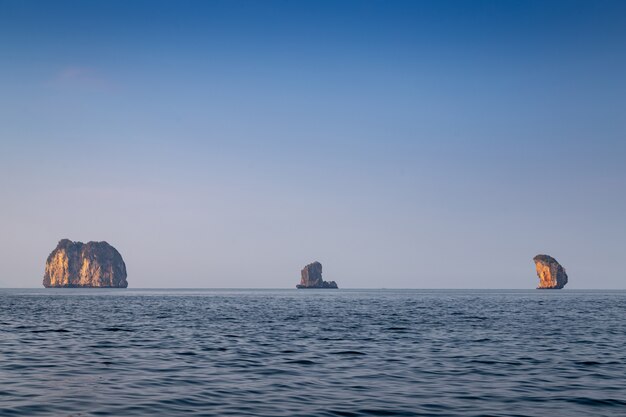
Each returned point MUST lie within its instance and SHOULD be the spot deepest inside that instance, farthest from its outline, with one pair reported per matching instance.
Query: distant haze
(401, 144)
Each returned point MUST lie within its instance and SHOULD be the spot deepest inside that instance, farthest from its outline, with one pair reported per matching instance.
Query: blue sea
(101, 352)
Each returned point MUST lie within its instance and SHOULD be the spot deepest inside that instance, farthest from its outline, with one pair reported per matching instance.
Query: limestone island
(552, 275)
(85, 265)
(312, 277)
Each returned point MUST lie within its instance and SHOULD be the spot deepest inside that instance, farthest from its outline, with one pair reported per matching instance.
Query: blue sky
(402, 144)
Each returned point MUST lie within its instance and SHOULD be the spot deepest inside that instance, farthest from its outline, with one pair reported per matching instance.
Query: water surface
(80, 352)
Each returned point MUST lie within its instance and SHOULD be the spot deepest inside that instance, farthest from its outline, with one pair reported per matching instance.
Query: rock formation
(312, 277)
(551, 274)
(76, 264)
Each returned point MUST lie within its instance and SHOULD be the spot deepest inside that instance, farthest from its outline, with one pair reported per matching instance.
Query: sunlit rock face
(551, 274)
(312, 277)
(91, 265)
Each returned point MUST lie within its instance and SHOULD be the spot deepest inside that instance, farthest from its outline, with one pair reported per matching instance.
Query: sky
(226, 144)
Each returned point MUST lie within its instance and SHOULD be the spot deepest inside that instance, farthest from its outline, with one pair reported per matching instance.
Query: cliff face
(312, 277)
(551, 274)
(77, 264)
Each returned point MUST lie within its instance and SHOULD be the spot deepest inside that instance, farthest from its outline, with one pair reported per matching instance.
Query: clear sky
(402, 144)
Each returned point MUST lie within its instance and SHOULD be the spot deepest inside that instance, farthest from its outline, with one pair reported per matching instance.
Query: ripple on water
(290, 353)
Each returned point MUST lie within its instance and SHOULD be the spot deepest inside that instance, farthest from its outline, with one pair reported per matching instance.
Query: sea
(140, 352)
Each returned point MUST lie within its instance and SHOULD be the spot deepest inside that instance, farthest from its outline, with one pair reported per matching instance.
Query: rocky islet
(552, 275)
(90, 265)
(311, 277)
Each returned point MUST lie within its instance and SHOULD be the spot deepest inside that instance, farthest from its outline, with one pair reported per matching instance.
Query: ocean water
(80, 352)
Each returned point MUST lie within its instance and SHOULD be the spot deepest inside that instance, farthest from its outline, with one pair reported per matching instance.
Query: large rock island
(552, 275)
(312, 277)
(90, 265)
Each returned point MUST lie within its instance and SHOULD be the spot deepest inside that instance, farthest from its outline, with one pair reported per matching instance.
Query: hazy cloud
(82, 77)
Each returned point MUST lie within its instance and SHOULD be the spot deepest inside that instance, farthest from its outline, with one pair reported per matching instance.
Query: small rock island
(552, 275)
(87, 265)
(312, 277)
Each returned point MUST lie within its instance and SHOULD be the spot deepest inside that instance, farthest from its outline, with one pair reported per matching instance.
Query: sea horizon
(310, 289)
